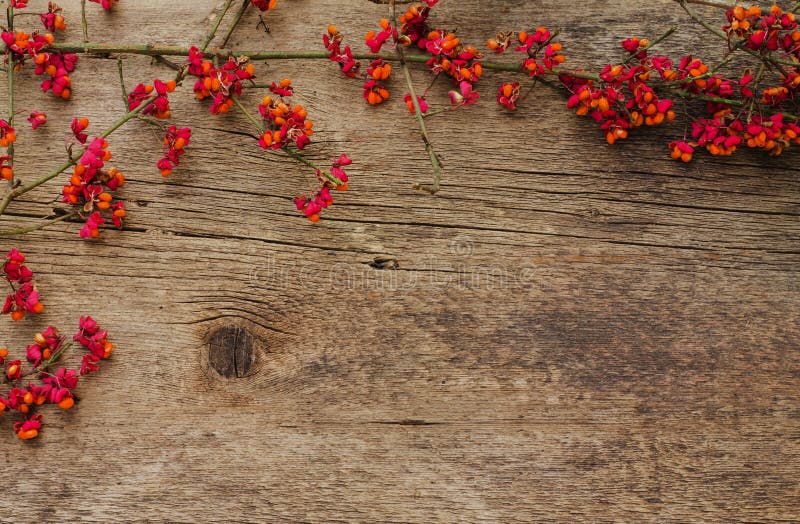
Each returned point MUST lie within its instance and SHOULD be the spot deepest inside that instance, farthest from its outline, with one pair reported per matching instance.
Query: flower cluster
(24, 297)
(375, 90)
(448, 56)
(158, 104)
(342, 56)
(542, 54)
(722, 135)
(43, 385)
(285, 123)
(220, 84)
(55, 65)
(174, 143)
(90, 187)
(761, 31)
(623, 97)
(37, 119)
(53, 20)
(312, 205)
(7, 137)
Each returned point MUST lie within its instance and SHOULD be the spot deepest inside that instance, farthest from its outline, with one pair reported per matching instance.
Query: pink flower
(465, 97)
(37, 119)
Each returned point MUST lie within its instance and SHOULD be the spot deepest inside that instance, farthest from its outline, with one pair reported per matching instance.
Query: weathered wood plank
(570, 331)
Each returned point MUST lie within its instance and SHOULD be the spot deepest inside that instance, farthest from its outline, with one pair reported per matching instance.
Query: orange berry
(17, 315)
(67, 403)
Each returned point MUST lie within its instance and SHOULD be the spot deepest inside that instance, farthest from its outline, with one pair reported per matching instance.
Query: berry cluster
(43, 385)
(174, 143)
(285, 123)
(90, 187)
(53, 20)
(7, 137)
(158, 104)
(342, 56)
(375, 90)
(220, 84)
(56, 66)
(37, 119)
(311, 205)
(448, 56)
(24, 297)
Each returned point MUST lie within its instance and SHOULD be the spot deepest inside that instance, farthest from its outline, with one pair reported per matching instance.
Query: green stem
(21, 190)
(418, 114)
(42, 225)
(10, 149)
(122, 84)
(236, 20)
(84, 25)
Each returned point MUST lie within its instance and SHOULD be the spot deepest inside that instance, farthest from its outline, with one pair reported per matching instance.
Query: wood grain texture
(567, 332)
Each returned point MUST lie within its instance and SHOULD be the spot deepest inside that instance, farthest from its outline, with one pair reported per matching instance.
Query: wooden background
(567, 332)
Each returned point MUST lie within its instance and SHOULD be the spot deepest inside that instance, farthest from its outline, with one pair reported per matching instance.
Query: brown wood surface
(567, 332)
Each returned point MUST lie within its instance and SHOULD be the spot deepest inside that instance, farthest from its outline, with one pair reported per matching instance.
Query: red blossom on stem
(90, 188)
(24, 297)
(37, 119)
(106, 4)
(219, 84)
(175, 143)
(44, 386)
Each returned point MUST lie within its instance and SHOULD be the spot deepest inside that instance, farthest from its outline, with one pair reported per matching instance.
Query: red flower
(508, 94)
(90, 186)
(286, 123)
(219, 84)
(158, 106)
(25, 298)
(375, 90)
(174, 143)
(465, 96)
(52, 19)
(264, 5)
(423, 104)
(47, 343)
(78, 126)
(37, 119)
(344, 57)
(14, 370)
(106, 4)
(29, 428)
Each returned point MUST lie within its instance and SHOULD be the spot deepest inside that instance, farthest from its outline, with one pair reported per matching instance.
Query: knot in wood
(231, 351)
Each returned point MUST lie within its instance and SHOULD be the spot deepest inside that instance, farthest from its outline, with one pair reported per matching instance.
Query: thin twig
(209, 37)
(37, 227)
(84, 25)
(423, 131)
(125, 102)
(10, 75)
(236, 20)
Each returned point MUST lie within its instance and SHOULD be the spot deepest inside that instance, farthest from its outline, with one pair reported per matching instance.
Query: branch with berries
(28, 384)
